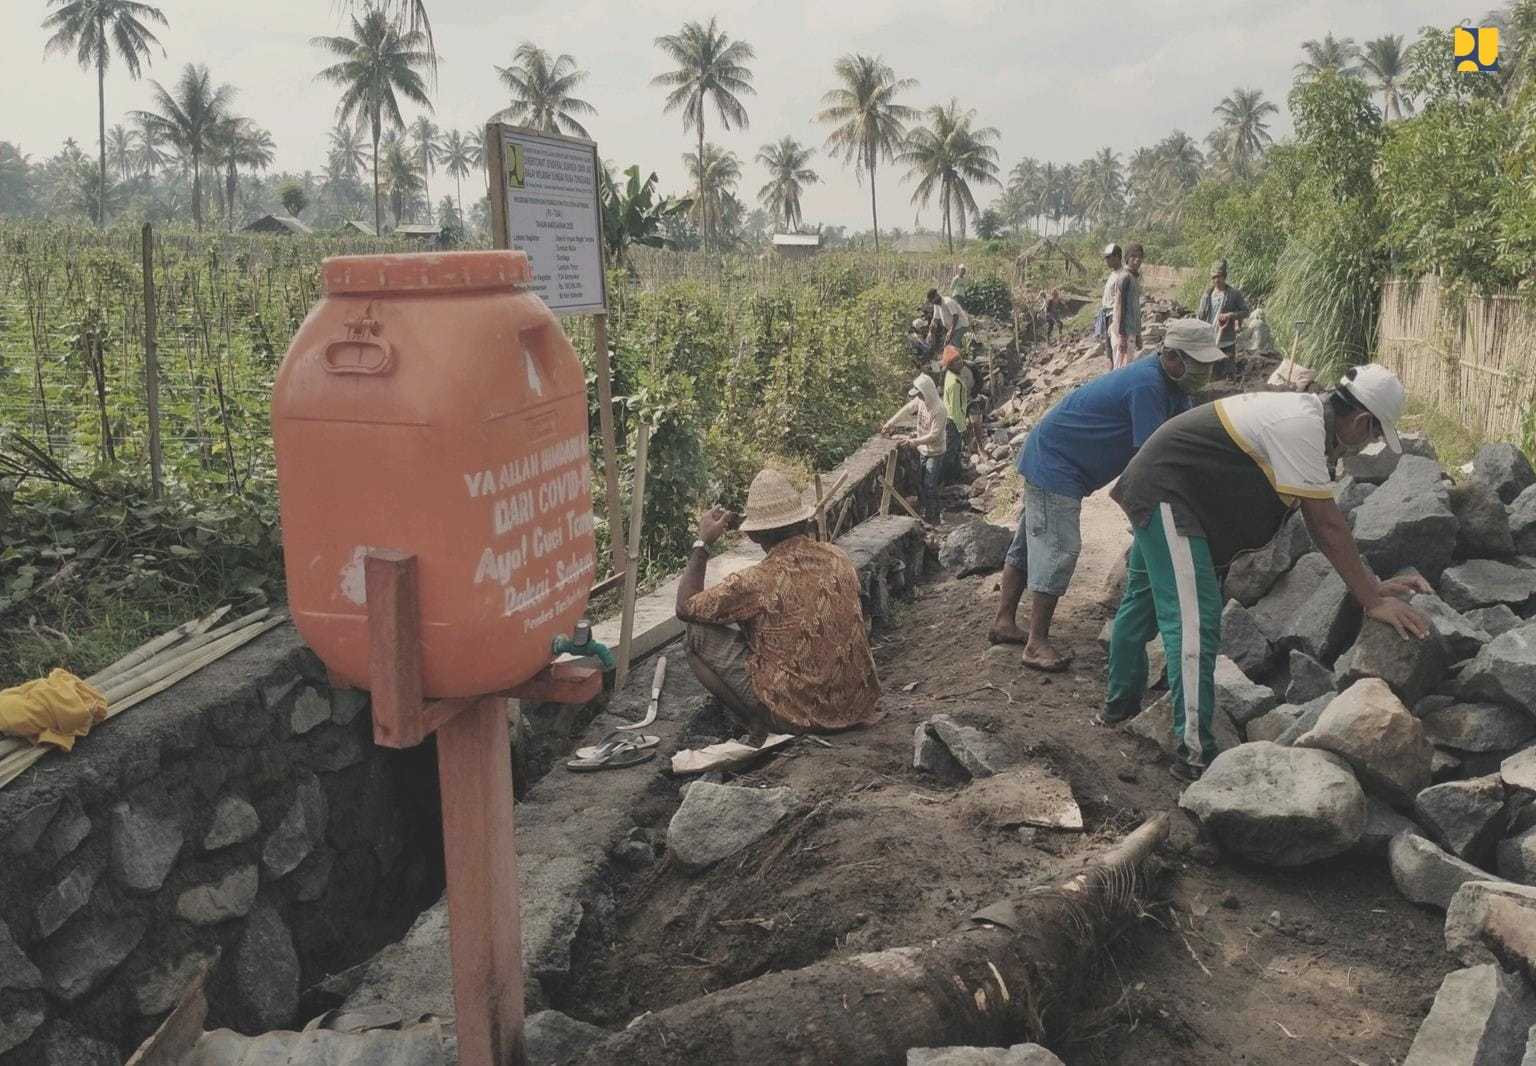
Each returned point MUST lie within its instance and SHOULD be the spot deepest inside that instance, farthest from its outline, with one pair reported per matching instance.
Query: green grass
(1454, 443)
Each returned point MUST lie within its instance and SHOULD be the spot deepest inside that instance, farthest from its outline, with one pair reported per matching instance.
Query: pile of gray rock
(1339, 736)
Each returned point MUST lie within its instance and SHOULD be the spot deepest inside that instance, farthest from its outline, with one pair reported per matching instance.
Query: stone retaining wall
(244, 815)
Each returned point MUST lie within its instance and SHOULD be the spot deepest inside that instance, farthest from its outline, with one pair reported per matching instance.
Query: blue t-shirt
(1086, 440)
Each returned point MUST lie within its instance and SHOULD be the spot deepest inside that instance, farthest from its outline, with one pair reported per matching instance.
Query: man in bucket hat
(780, 644)
(1081, 445)
(1220, 479)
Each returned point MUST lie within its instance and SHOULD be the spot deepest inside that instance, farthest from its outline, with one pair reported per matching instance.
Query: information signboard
(544, 202)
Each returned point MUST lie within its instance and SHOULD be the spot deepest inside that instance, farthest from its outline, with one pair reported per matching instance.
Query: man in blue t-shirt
(1081, 445)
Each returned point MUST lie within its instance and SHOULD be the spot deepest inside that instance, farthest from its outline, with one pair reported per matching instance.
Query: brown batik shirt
(799, 610)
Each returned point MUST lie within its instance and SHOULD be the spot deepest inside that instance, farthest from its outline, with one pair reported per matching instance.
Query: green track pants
(1170, 589)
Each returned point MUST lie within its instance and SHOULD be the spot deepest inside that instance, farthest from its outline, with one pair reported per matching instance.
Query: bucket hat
(1194, 338)
(772, 503)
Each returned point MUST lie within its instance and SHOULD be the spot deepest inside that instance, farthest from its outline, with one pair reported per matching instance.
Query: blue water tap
(581, 643)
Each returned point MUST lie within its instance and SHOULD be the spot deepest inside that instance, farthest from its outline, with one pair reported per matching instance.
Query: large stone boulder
(1279, 806)
(1428, 874)
(1382, 824)
(1484, 522)
(1271, 725)
(1239, 698)
(1306, 717)
(1516, 858)
(1463, 817)
(1243, 641)
(1504, 468)
(1461, 638)
(1156, 724)
(1408, 521)
(1495, 621)
(1504, 671)
(1411, 667)
(1517, 772)
(1482, 1016)
(1522, 521)
(1481, 728)
(1464, 917)
(1485, 582)
(979, 754)
(554, 1038)
(1253, 573)
(715, 822)
(1380, 739)
(1350, 494)
(976, 548)
(1310, 609)
(1376, 462)
(1309, 679)
(267, 972)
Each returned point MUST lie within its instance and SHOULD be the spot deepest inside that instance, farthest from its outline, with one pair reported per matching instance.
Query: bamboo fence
(1472, 358)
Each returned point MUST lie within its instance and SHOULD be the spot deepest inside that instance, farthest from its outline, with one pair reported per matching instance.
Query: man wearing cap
(781, 644)
(1225, 308)
(930, 438)
(1220, 479)
(1080, 446)
(950, 322)
(1114, 260)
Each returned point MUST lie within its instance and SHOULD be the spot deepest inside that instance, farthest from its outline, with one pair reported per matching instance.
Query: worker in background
(930, 439)
(957, 401)
(780, 644)
(950, 322)
(1220, 479)
(1081, 445)
(954, 282)
(1225, 307)
(1103, 322)
(1052, 307)
(1125, 318)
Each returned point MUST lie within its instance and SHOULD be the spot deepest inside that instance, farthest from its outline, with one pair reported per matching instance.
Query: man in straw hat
(780, 644)
(1220, 479)
(1081, 445)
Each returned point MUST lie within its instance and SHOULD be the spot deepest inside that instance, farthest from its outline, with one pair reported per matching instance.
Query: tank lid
(425, 272)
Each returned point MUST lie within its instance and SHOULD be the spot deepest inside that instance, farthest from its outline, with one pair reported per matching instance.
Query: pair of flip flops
(616, 751)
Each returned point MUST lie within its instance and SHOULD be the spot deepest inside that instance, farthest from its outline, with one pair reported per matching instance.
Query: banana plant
(633, 213)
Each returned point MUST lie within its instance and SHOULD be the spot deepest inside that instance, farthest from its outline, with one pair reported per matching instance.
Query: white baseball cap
(1194, 338)
(1111, 249)
(1377, 389)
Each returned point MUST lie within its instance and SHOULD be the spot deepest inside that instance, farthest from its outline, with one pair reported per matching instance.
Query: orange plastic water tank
(429, 405)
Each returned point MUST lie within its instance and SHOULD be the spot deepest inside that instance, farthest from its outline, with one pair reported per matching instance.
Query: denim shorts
(1048, 541)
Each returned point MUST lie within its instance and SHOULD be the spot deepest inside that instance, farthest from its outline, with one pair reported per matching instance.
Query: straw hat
(772, 503)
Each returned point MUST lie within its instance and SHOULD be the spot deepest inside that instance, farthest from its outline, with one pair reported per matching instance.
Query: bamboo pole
(151, 364)
(150, 647)
(618, 556)
(129, 681)
(636, 516)
(890, 483)
(14, 765)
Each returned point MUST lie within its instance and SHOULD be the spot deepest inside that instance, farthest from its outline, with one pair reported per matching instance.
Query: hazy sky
(1059, 78)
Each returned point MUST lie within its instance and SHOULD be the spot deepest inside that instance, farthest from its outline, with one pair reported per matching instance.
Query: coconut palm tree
(788, 172)
(1026, 186)
(715, 174)
(458, 158)
(400, 177)
(347, 154)
(93, 30)
(1338, 55)
(408, 16)
(868, 124)
(1101, 186)
(239, 142)
(149, 155)
(1242, 134)
(379, 62)
(945, 156)
(429, 149)
(541, 87)
(1386, 64)
(120, 148)
(711, 68)
(189, 119)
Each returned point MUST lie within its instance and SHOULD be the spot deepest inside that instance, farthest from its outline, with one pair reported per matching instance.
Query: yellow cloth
(52, 710)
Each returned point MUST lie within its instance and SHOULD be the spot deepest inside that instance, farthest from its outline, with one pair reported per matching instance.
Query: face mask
(1196, 377)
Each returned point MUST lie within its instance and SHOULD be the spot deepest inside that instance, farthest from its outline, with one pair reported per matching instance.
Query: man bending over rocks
(780, 644)
(1218, 480)
(1080, 446)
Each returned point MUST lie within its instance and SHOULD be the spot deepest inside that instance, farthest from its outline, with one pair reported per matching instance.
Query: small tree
(293, 198)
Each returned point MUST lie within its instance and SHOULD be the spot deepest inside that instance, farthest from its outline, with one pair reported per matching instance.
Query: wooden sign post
(474, 773)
